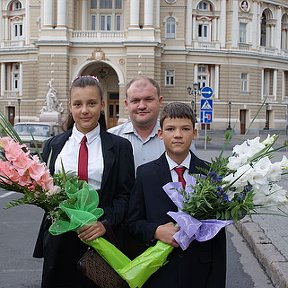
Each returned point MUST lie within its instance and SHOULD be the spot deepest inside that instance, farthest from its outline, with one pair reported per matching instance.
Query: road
(19, 227)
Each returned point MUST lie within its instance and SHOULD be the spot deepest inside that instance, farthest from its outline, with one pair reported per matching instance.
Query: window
(170, 28)
(244, 82)
(242, 32)
(15, 5)
(203, 30)
(204, 5)
(105, 24)
(106, 15)
(169, 77)
(93, 4)
(117, 22)
(93, 22)
(15, 76)
(203, 76)
(118, 4)
(105, 4)
(268, 82)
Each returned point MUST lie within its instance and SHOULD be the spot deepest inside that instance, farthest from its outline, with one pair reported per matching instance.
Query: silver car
(35, 133)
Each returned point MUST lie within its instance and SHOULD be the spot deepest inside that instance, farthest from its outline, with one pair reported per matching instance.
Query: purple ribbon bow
(190, 228)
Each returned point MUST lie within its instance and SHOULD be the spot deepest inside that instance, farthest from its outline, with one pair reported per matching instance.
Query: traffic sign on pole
(207, 92)
(206, 104)
(206, 116)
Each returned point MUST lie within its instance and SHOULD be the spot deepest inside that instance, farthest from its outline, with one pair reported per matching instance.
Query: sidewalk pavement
(267, 235)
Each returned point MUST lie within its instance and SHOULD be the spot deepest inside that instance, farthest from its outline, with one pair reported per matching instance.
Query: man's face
(143, 103)
(177, 134)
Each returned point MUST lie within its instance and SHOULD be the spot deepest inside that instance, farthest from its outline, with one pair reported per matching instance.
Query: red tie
(180, 172)
(83, 160)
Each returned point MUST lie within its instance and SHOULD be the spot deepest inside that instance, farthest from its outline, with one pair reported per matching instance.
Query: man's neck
(144, 132)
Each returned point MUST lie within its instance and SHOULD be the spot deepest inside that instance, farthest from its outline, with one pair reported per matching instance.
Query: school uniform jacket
(203, 264)
(117, 182)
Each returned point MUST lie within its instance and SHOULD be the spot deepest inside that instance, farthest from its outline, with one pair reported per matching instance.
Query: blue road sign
(207, 92)
(206, 104)
(206, 116)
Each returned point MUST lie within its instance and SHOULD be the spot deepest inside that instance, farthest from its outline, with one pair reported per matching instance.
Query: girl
(110, 172)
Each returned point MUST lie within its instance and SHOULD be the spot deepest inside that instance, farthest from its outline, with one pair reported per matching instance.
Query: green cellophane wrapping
(81, 209)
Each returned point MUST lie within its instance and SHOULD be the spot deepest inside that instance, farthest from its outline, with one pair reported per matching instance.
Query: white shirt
(70, 151)
(172, 164)
(144, 151)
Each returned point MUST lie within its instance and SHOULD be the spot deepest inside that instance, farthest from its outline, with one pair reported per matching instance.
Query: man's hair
(152, 81)
(177, 110)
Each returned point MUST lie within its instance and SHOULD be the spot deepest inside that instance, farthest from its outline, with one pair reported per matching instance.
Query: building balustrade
(11, 94)
(12, 43)
(95, 36)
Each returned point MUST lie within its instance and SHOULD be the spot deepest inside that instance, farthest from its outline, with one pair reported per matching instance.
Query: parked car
(40, 131)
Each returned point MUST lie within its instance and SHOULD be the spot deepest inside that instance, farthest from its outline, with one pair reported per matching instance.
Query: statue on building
(52, 102)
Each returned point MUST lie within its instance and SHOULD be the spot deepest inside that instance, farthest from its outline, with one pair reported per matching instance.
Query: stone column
(195, 73)
(222, 26)
(189, 22)
(148, 13)
(27, 23)
(3, 80)
(255, 26)
(134, 13)
(216, 88)
(84, 15)
(47, 13)
(275, 73)
(235, 24)
(278, 28)
(21, 79)
(62, 13)
(6, 28)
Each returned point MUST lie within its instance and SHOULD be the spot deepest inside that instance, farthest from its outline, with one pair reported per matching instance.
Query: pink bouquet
(22, 172)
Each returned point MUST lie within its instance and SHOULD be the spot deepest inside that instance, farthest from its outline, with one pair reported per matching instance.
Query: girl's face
(85, 107)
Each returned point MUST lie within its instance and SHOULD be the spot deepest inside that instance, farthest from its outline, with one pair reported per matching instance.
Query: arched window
(15, 5)
(204, 6)
(284, 32)
(170, 28)
(266, 28)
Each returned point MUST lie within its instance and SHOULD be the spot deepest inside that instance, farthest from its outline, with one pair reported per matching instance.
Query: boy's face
(177, 135)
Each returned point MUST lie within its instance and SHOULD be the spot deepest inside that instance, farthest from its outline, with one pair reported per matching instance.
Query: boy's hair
(177, 110)
(152, 81)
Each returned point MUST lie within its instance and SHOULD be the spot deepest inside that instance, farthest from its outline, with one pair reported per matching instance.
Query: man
(143, 101)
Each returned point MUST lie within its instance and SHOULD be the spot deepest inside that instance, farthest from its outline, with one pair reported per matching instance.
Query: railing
(12, 43)
(206, 45)
(11, 94)
(95, 36)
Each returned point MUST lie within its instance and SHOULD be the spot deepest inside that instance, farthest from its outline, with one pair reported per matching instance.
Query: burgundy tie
(180, 173)
(83, 160)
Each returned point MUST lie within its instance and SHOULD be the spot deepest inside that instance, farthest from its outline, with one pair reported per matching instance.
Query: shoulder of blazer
(56, 143)
(110, 138)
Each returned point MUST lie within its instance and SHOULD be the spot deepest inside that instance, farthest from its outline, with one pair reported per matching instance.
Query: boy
(203, 264)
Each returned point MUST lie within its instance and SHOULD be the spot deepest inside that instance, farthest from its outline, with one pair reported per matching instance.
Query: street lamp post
(194, 91)
(229, 116)
(267, 117)
(19, 103)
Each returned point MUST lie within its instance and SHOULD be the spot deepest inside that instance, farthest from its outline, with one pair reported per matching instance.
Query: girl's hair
(82, 82)
(177, 110)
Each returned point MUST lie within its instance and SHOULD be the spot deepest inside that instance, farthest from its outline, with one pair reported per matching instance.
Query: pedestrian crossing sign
(206, 104)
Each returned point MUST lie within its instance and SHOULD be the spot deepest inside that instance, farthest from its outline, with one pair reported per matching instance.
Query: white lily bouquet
(232, 188)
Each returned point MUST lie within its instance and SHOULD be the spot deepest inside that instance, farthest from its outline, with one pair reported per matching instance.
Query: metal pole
(19, 103)
(229, 116)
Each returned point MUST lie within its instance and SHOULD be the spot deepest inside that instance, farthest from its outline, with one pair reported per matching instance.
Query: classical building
(238, 48)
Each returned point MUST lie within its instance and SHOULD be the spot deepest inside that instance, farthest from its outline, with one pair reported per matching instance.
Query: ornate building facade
(238, 48)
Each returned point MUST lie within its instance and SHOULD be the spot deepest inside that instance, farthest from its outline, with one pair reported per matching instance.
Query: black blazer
(203, 264)
(117, 182)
